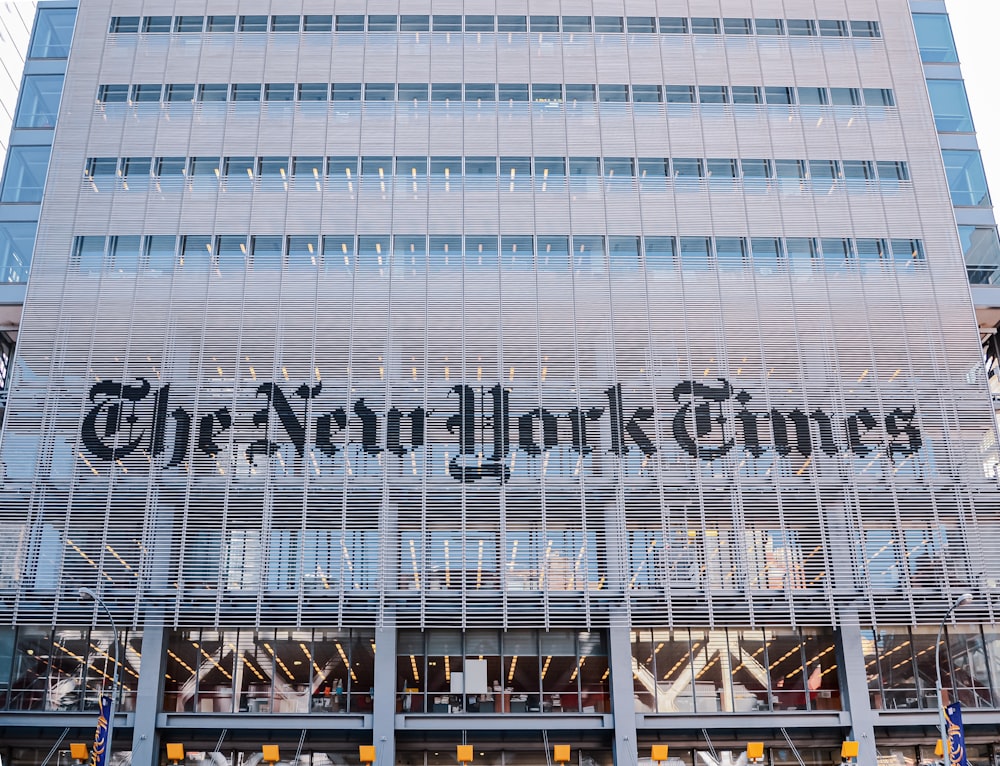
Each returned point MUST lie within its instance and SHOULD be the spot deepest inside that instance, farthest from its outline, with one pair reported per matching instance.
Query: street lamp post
(963, 600)
(89, 594)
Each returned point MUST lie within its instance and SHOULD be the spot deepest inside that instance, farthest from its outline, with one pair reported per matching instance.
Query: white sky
(975, 23)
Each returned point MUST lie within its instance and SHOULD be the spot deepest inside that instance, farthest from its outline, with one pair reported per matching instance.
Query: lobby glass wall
(64, 669)
(493, 671)
(901, 673)
(734, 670)
(270, 671)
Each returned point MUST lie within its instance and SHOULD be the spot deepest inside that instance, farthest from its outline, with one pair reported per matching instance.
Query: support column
(622, 693)
(854, 687)
(384, 707)
(149, 695)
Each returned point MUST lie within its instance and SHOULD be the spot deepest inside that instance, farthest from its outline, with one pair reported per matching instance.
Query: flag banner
(99, 755)
(956, 735)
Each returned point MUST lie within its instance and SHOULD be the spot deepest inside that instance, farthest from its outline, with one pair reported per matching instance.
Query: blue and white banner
(956, 735)
(99, 753)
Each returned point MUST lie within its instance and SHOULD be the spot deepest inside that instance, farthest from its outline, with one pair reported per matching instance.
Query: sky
(975, 23)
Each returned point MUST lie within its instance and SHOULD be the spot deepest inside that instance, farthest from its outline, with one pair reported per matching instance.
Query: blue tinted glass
(53, 33)
(17, 240)
(25, 175)
(950, 105)
(39, 101)
(982, 253)
(937, 45)
(966, 178)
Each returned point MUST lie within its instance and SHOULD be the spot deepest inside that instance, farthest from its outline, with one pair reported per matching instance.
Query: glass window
(576, 24)
(824, 170)
(512, 24)
(314, 91)
(713, 94)
(790, 169)
(216, 91)
(279, 91)
(966, 178)
(588, 253)
(136, 170)
(647, 94)
(147, 93)
(584, 166)
(253, 23)
(382, 23)
(731, 252)
(272, 167)
(317, 22)
(517, 252)
(196, 253)
(802, 253)
(641, 24)
(102, 167)
(342, 167)
(480, 91)
(221, 24)
(832, 28)
(865, 29)
(156, 24)
(879, 97)
(338, 252)
(481, 167)
(302, 252)
(549, 166)
(845, 96)
(779, 95)
(239, 168)
(701, 25)
(695, 252)
(204, 167)
(893, 172)
(767, 253)
(609, 24)
(544, 23)
(446, 167)
(576, 93)
(412, 91)
(124, 254)
(24, 177)
(447, 23)
(872, 252)
(112, 94)
(481, 252)
(350, 23)
(17, 242)
(679, 94)
(231, 253)
(380, 91)
(180, 92)
(546, 91)
(38, 103)
(414, 23)
(723, 169)
(189, 23)
(514, 168)
(981, 248)
(246, 91)
(754, 168)
(170, 167)
(513, 91)
(479, 23)
(688, 167)
(658, 253)
(347, 91)
(88, 254)
(813, 96)
(553, 253)
(858, 170)
(934, 37)
(801, 27)
(124, 25)
(307, 166)
(736, 26)
(619, 167)
(654, 167)
(673, 25)
(746, 94)
(770, 27)
(614, 93)
(445, 252)
(950, 104)
(837, 252)
(411, 167)
(285, 23)
(373, 166)
(446, 91)
(265, 253)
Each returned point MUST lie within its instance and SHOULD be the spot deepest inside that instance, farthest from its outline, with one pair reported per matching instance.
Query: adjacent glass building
(413, 375)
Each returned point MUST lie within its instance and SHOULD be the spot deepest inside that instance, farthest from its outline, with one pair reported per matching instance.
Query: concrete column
(854, 687)
(149, 695)
(622, 693)
(384, 710)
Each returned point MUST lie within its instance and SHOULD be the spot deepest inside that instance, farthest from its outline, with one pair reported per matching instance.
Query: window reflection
(270, 671)
(491, 671)
(734, 671)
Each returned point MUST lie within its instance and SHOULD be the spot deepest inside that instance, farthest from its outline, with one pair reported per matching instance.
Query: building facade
(502, 374)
